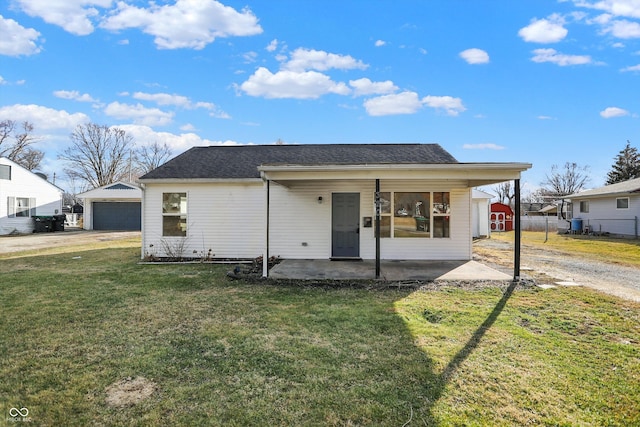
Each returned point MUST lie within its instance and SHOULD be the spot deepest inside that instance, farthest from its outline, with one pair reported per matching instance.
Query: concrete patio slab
(318, 269)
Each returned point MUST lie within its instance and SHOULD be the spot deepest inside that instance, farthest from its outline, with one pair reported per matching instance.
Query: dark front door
(345, 226)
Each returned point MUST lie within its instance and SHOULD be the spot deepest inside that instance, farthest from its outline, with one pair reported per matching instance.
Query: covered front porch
(306, 218)
(390, 270)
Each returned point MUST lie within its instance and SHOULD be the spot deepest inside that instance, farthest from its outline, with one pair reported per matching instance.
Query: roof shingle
(237, 162)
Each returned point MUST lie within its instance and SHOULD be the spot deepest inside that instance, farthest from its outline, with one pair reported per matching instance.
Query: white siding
(230, 220)
(605, 217)
(226, 218)
(25, 184)
(300, 227)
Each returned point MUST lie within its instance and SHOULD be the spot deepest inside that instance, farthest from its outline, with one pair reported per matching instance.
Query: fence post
(636, 225)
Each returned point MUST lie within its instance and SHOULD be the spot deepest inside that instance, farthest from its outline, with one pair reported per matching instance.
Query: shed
(115, 206)
(480, 206)
(501, 217)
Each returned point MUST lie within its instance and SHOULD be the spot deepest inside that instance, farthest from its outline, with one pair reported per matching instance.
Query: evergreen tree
(626, 167)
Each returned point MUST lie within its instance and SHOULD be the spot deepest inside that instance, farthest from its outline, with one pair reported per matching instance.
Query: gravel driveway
(72, 237)
(554, 266)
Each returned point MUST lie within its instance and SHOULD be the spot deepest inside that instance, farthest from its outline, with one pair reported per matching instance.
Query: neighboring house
(501, 217)
(612, 209)
(114, 206)
(480, 208)
(23, 195)
(315, 202)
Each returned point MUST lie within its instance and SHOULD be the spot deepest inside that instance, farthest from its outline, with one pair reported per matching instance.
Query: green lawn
(222, 352)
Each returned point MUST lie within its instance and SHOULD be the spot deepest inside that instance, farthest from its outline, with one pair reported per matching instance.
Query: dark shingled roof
(242, 161)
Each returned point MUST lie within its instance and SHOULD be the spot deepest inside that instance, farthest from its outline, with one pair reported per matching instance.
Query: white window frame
(12, 207)
(179, 213)
(618, 204)
(584, 206)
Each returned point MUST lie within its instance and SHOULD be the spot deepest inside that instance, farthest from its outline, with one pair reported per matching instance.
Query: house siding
(300, 227)
(25, 184)
(229, 219)
(224, 218)
(603, 216)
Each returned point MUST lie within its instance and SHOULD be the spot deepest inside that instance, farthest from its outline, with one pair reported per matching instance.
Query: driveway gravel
(552, 266)
(70, 237)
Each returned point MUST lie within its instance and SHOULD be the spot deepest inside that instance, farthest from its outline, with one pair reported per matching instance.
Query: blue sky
(539, 81)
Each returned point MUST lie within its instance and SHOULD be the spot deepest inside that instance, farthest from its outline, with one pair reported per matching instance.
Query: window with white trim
(21, 207)
(622, 203)
(415, 214)
(174, 214)
(5, 172)
(584, 206)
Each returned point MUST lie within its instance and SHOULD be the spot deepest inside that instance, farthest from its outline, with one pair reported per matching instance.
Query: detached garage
(115, 206)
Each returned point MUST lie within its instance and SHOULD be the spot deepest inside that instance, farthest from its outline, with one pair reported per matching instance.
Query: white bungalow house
(612, 209)
(315, 202)
(23, 195)
(115, 206)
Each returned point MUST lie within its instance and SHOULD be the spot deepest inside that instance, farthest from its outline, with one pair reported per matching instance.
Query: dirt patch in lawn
(129, 391)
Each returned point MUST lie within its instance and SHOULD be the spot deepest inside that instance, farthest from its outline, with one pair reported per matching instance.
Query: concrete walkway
(318, 269)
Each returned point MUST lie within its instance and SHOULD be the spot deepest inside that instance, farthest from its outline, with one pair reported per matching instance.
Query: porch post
(265, 255)
(377, 201)
(518, 232)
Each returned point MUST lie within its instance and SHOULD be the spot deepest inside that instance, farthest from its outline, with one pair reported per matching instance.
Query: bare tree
(505, 193)
(30, 158)
(98, 155)
(149, 157)
(15, 141)
(567, 180)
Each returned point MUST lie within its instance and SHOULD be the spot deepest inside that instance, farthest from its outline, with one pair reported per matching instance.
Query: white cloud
(475, 56)
(380, 43)
(177, 143)
(2, 81)
(622, 29)
(400, 103)
(164, 99)
(485, 146)
(291, 84)
(545, 118)
(272, 46)
(43, 118)
(184, 24)
(452, 106)
(549, 30)
(553, 56)
(17, 40)
(309, 59)
(627, 8)
(138, 114)
(365, 86)
(611, 112)
(73, 95)
(74, 16)
(631, 68)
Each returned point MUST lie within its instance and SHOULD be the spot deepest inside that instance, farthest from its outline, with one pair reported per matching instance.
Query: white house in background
(613, 209)
(23, 195)
(114, 206)
(315, 202)
(480, 213)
